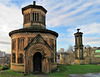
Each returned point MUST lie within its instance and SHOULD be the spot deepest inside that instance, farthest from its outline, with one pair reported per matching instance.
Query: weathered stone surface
(34, 46)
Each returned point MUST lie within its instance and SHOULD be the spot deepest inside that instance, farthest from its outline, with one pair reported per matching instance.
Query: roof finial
(78, 30)
(34, 2)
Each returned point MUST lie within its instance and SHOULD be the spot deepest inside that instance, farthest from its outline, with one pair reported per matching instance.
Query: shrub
(4, 67)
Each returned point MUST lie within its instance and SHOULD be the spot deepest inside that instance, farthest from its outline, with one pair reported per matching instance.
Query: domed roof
(33, 30)
(34, 6)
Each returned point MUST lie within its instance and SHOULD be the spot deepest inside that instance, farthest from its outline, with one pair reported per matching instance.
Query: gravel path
(85, 75)
(42, 76)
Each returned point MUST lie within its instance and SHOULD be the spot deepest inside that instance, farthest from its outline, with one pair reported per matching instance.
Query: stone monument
(33, 48)
(78, 48)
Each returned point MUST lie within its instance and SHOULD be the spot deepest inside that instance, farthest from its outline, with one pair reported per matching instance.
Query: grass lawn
(75, 69)
(9, 73)
(62, 71)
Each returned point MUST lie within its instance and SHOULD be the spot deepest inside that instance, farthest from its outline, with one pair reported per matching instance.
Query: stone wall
(26, 38)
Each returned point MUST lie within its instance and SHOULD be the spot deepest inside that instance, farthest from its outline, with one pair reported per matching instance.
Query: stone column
(26, 41)
(11, 50)
(16, 50)
(31, 17)
(40, 17)
(55, 50)
(25, 70)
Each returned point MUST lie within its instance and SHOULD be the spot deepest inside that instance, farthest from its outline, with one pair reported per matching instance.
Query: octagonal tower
(34, 16)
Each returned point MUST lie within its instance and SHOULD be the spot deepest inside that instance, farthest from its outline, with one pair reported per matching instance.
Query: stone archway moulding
(44, 50)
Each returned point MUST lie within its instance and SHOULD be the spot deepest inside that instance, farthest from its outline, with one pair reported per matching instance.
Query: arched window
(21, 43)
(13, 58)
(20, 59)
(51, 43)
(14, 44)
(43, 19)
(24, 18)
(29, 16)
(35, 16)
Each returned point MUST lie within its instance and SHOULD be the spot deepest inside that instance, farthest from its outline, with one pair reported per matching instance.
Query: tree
(70, 49)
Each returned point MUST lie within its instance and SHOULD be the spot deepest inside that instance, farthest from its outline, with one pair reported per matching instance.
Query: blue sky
(63, 16)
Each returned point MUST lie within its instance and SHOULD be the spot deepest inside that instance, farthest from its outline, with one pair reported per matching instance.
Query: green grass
(75, 69)
(10, 73)
(64, 71)
(82, 69)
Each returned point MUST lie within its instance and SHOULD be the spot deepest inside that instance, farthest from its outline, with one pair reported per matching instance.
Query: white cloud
(66, 40)
(61, 34)
(90, 29)
(10, 19)
(92, 41)
(6, 48)
(78, 12)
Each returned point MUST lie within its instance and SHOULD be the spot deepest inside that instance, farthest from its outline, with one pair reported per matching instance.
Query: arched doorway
(37, 64)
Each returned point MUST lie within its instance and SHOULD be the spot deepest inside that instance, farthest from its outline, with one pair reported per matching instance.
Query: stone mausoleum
(33, 48)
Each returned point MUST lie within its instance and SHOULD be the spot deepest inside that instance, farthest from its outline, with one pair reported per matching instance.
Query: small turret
(34, 16)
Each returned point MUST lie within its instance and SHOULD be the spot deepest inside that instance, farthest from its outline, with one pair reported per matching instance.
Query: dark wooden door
(37, 62)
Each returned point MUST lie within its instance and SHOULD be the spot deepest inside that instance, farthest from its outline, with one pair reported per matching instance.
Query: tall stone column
(78, 48)
(31, 16)
(55, 51)
(11, 51)
(16, 50)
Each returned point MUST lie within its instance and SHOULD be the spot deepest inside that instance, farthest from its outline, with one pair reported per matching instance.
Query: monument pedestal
(79, 61)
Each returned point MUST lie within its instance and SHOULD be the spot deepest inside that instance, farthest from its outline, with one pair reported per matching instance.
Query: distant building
(97, 54)
(7, 58)
(4, 58)
(2, 54)
(65, 58)
(95, 59)
(92, 55)
(61, 50)
(58, 55)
